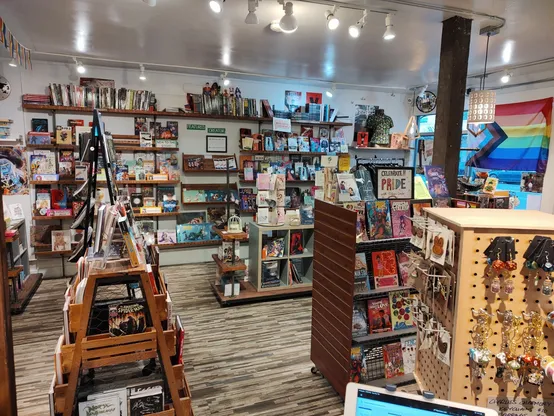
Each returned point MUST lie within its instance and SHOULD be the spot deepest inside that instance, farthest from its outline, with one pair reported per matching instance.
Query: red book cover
(400, 216)
(384, 268)
(394, 363)
(378, 315)
(59, 199)
(404, 268)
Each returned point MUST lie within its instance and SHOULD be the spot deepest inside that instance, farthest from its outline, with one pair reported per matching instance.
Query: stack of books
(40, 99)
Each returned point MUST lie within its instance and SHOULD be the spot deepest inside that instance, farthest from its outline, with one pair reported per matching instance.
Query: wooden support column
(456, 33)
(8, 403)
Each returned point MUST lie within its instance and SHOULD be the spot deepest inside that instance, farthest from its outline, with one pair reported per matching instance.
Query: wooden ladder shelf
(105, 350)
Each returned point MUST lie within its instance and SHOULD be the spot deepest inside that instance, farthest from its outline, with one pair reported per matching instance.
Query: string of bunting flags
(18, 52)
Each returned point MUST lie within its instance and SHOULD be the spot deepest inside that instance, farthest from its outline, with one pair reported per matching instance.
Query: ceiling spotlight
(142, 75)
(80, 67)
(216, 5)
(151, 3)
(389, 33)
(288, 23)
(354, 30)
(332, 20)
(13, 63)
(506, 77)
(251, 18)
(329, 93)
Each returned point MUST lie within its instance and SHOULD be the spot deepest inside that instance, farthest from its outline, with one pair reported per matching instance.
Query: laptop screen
(370, 403)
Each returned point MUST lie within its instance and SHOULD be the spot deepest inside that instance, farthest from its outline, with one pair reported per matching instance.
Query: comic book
(394, 363)
(409, 348)
(378, 315)
(359, 319)
(361, 277)
(378, 220)
(418, 208)
(358, 367)
(400, 217)
(436, 181)
(403, 268)
(402, 315)
(126, 319)
(361, 230)
(383, 264)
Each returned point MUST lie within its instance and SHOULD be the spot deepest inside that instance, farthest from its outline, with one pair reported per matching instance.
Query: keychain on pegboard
(532, 339)
(479, 354)
(508, 363)
(500, 262)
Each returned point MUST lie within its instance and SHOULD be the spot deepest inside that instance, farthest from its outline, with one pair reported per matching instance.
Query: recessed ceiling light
(216, 5)
(389, 33)
(332, 21)
(288, 22)
(251, 17)
(13, 63)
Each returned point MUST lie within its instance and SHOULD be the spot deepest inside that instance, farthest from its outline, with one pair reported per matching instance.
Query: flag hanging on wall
(17, 51)
(517, 140)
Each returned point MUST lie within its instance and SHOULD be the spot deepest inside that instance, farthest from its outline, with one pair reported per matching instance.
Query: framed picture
(394, 183)
(216, 144)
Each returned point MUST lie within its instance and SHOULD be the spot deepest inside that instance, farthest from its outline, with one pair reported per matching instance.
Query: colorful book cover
(348, 188)
(403, 268)
(66, 163)
(400, 216)
(42, 203)
(63, 135)
(378, 219)
(314, 145)
(384, 268)
(187, 233)
(358, 370)
(293, 144)
(164, 194)
(359, 319)
(361, 230)
(378, 315)
(490, 185)
(173, 127)
(215, 195)
(394, 363)
(361, 276)
(60, 198)
(140, 125)
(61, 240)
(304, 144)
(409, 349)
(197, 195)
(127, 319)
(417, 207)
(166, 236)
(121, 173)
(436, 181)
(402, 315)
(39, 138)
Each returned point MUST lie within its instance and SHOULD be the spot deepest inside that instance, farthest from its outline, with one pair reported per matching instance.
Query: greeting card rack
(475, 229)
(333, 296)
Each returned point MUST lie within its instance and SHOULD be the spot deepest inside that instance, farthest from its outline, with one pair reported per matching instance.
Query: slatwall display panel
(333, 290)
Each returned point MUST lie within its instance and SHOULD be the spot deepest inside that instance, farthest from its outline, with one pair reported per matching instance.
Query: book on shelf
(378, 315)
(402, 313)
(271, 274)
(298, 272)
(120, 394)
(34, 137)
(64, 135)
(225, 251)
(378, 219)
(61, 240)
(359, 319)
(166, 237)
(180, 336)
(409, 351)
(40, 125)
(105, 405)
(66, 163)
(403, 267)
(358, 370)
(151, 210)
(42, 162)
(392, 357)
(400, 217)
(296, 245)
(127, 318)
(140, 125)
(385, 273)
(361, 276)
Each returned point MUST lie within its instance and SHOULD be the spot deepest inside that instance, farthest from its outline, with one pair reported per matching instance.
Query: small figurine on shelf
(234, 225)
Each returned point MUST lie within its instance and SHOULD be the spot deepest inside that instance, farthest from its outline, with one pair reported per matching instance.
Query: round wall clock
(5, 88)
(426, 102)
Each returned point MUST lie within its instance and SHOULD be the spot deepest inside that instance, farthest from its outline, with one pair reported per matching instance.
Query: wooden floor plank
(246, 360)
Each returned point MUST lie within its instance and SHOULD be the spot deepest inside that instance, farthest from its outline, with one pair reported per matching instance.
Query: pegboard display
(475, 229)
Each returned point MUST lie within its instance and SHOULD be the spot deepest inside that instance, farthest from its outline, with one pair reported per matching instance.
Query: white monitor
(362, 400)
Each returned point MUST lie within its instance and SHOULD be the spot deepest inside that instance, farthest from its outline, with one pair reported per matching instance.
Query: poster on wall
(362, 112)
(293, 101)
(314, 98)
(13, 171)
(531, 182)
(395, 183)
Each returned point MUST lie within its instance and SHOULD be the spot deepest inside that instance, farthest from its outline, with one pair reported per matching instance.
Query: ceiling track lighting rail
(350, 6)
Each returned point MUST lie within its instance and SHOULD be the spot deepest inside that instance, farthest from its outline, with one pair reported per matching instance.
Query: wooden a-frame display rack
(103, 350)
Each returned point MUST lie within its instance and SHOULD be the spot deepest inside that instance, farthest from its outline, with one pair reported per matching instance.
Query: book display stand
(23, 283)
(138, 324)
(334, 297)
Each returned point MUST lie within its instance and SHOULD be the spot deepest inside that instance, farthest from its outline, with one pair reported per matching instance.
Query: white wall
(170, 90)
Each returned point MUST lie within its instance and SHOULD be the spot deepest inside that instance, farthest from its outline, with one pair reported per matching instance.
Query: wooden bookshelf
(378, 149)
(230, 236)
(143, 182)
(205, 203)
(53, 253)
(60, 182)
(228, 267)
(287, 183)
(125, 148)
(249, 294)
(283, 153)
(52, 146)
(159, 214)
(209, 166)
(14, 272)
(58, 218)
(175, 246)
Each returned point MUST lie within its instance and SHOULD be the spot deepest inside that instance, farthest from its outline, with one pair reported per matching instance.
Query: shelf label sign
(521, 406)
(196, 127)
(216, 130)
(282, 124)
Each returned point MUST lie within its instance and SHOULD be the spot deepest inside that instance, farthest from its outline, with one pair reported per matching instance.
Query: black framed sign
(216, 144)
(394, 182)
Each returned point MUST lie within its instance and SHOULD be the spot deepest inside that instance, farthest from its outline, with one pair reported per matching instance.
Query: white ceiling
(186, 33)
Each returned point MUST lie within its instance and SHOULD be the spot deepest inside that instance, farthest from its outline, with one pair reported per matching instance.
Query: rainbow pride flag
(517, 140)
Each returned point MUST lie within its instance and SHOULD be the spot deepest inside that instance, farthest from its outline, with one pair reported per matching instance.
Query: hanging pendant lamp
(482, 103)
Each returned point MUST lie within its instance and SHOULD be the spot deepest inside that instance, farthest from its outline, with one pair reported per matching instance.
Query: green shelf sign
(196, 127)
(217, 130)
